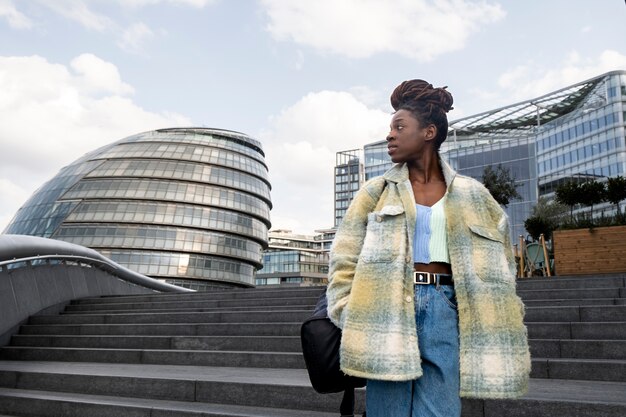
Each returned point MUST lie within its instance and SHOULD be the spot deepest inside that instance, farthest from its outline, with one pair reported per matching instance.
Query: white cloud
(16, 19)
(51, 114)
(98, 76)
(131, 38)
(134, 37)
(141, 3)
(418, 29)
(299, 63)
(78, 11)
(370, 97)
(300, 147)
(532, 80)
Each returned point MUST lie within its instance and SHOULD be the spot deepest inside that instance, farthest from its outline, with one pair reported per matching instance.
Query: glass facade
(591, 146)
(376, 159)
(295, 259)
(348, 180)
(517, 156)
(575, 132)
(190, 206)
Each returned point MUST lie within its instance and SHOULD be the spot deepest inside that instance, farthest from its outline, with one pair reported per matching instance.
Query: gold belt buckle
(423, 278)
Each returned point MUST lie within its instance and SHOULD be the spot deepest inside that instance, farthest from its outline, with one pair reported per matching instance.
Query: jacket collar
(400, 173)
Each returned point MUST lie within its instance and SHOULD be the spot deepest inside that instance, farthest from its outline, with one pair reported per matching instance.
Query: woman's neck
(426, 169)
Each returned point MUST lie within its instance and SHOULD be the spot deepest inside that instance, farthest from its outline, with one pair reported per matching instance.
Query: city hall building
(190, 206)
(575, 133)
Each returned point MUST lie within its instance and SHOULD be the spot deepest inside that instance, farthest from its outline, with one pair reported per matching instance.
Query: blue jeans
(436, 393)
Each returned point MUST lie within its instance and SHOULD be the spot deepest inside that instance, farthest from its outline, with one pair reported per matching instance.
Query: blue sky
(307, 78)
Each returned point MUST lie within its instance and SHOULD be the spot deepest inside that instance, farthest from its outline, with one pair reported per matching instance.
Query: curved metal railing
(15, 249)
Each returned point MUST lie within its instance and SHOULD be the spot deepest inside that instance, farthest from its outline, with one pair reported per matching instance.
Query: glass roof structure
(521, 119)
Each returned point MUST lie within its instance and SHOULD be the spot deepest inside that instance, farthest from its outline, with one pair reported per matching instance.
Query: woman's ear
(431, 132)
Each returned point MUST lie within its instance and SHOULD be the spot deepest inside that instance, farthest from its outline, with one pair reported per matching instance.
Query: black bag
(320, 345)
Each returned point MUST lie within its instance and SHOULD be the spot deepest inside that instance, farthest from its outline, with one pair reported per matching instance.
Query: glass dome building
(187, 205)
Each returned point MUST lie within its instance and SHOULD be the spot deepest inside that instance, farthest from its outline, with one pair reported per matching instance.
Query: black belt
(425, 278)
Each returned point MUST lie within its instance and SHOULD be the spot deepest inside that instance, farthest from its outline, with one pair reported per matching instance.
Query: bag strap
(347, 403)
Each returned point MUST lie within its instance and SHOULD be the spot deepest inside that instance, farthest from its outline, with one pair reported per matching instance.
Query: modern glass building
(577, 132)
(189, 206)
(348, 179)
(296, 259)
(376, 159)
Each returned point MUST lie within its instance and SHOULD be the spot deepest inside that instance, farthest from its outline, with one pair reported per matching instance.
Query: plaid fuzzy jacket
(370, 290)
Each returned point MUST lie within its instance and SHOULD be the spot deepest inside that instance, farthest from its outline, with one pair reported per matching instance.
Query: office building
(189, 206)
(348, 179)
(575, 133)
(296, 259)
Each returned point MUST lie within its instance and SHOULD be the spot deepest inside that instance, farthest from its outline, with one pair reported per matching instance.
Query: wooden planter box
(600, 250)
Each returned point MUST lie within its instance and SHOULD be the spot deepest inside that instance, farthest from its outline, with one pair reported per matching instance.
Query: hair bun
(420, 92)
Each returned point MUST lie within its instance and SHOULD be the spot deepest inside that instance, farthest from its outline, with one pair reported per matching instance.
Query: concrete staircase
(237, 353)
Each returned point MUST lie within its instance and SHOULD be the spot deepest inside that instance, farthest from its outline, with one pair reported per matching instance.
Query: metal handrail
(64, 257)
(20, 248)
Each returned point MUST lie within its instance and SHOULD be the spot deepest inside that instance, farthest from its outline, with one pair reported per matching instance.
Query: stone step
(200, 329)
(54, 404)
(579, 369)
(205, 317)
(576, 330)
(581, 349)
(308, 303)
(184, 309)
(184, 355)
(572, 293)
(230, 343)
(287, 360)
(253, 302)
(237, 294)
(580, 314)
(173, 389)
(533, 314)
(526, 284)
(284, 388)
(547, 348)
(575, 302)
(536, 330)
(559, 398)
(583, 369)
(571, 282)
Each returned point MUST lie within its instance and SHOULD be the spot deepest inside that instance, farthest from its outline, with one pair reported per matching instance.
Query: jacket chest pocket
(385, 237)
(488, 254)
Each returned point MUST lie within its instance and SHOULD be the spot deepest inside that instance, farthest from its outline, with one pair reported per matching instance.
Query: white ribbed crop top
(430, 241)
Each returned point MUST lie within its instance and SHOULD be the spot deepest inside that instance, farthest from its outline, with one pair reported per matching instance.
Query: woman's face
(407, 139)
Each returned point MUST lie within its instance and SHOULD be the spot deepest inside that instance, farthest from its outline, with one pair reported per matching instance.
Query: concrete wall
(46, 289)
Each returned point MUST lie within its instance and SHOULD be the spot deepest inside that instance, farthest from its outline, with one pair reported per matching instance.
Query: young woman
(422, 277)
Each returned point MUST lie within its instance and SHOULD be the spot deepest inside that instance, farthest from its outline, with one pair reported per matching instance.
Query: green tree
(501, 184)
(616, 191)
(549, 209)
(546, 216)
(536, 225)
(593, 192)
(569, 194)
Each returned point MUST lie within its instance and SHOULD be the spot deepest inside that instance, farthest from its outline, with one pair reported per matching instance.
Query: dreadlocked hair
(428, 105)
